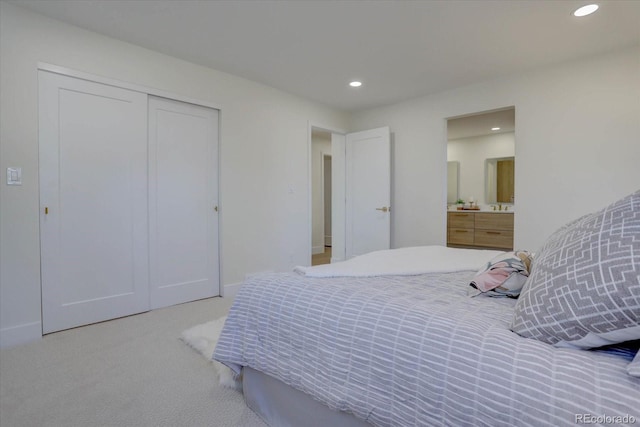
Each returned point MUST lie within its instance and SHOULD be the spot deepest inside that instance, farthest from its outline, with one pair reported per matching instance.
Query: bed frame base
(280, 405)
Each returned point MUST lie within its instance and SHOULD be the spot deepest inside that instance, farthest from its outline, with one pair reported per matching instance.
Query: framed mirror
(472, 140)
(499, 180)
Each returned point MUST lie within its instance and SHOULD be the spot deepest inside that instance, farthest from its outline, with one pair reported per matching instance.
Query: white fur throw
(203, 338)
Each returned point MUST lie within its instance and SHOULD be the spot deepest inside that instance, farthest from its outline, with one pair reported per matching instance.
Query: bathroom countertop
(481, 211)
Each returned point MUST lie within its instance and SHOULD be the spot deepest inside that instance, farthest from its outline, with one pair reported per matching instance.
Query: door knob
(383, 209)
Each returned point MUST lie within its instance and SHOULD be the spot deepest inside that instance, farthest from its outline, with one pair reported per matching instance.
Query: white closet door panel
(94, 238)
(183, 198)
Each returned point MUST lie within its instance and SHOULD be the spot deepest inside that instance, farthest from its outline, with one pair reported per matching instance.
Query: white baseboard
(21, 334)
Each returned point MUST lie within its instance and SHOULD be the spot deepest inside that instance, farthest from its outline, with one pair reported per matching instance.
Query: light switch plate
(14, 176)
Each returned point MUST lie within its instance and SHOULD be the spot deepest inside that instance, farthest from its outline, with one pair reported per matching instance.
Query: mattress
(417, 350)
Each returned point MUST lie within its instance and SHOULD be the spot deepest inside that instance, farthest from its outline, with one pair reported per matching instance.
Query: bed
(422, 347)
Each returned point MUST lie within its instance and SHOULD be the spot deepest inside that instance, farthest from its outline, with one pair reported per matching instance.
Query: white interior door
(183, 150)
(368, 191)
(93, 196)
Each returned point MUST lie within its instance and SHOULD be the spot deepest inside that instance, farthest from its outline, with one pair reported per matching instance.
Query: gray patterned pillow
(584, 287)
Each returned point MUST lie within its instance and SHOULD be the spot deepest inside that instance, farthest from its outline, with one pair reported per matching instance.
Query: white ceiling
(398, 49)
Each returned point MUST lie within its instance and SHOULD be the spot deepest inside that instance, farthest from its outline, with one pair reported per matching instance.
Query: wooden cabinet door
(505, 181)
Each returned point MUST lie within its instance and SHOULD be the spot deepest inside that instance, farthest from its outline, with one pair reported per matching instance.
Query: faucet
(500, 206)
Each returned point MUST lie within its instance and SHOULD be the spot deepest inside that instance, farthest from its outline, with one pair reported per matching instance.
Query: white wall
(320, 145)
(577, 145)
(471, 153)
(264, 173)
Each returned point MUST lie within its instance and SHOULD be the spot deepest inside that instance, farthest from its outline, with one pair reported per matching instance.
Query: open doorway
(321, 194)
(360, 164)
(481, 180)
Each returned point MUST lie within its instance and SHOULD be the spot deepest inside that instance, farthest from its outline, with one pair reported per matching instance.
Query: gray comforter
(417, 351)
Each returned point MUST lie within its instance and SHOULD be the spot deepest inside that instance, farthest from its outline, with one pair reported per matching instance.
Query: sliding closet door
(93, 201)
(183, 179)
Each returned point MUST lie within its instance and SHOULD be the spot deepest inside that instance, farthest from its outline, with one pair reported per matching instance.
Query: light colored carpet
(133, 371)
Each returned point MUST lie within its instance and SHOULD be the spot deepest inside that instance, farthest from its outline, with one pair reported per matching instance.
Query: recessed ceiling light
(495, 128)
(585, 10)
(355, 84)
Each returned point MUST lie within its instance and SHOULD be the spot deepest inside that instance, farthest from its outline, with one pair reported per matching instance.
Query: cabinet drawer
(494, 221)
(460, 220)
(494, 238)
(460, 236)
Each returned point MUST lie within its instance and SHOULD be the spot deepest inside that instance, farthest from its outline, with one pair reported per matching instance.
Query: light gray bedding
(416, 350)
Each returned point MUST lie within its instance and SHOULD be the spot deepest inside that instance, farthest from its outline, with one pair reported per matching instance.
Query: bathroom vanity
(484, 229)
